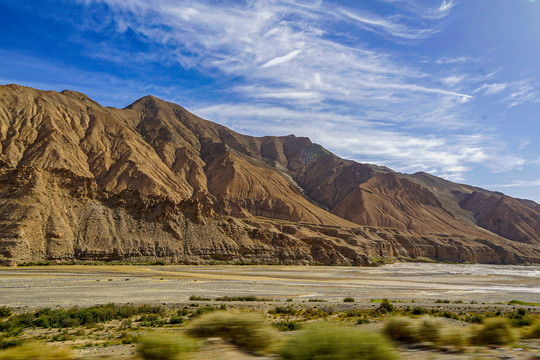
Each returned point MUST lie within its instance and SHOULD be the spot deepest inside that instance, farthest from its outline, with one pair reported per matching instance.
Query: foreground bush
(400, 329)
(249, 331)
(166, 347)
(35, 352)
(337, 343)
(495, 331)
(534, 332)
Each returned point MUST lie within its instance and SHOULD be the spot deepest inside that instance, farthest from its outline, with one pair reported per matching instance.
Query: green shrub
(519, 318)
(534, 332)
(281, 310)
(32, 351)
(348, 299)
(495, 331)
(166, 347)
(400, 329)
(385, 307)
(428, 331)
(336, 343)
(8, 343)
(418, 310)
(249, 331)
(287, 325)
(456, 337)
(5, 312)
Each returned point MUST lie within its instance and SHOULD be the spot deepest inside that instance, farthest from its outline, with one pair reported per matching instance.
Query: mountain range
(152, 181)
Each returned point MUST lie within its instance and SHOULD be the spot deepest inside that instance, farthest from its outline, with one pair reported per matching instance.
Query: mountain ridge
(160, 149)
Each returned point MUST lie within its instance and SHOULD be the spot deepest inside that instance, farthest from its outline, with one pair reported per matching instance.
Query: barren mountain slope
(55, 215)
(159, 148)
(506, 216)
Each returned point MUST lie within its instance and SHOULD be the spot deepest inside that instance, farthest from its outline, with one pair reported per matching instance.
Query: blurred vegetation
(247, 330)
(33, 351)
(165, 346)
(324, 341)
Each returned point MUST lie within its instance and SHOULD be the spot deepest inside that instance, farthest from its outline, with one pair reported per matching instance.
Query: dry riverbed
(89, 285)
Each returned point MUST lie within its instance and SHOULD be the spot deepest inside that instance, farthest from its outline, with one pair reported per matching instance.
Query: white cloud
(492, 89)
(452, 80)
(300, 75)
(518, 183)
(282, 59)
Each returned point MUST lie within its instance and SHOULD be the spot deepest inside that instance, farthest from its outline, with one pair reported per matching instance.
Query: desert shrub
(418, 310)
(281, 310)
(400, 329)
(176, 320)
(166, 347)
(8, 343)
(198, 298)
(249, 331)
(348, 299)
(287, 325)
(534, 332)
(32, 351)
(5, 312)
(495, 331)
(519, 318)
(456, 337)
(474, 319)
(385, 307)
(336, 343)
(203, 310)
(429, 331)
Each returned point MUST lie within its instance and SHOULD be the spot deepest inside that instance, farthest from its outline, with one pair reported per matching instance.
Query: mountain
(153, 181)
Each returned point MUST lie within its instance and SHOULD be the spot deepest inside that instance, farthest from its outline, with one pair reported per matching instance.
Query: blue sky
(448, 87)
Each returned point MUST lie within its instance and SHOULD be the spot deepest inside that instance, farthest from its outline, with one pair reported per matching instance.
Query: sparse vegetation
(287, 325)
(348, 300)
(523, 303)
(241, 298)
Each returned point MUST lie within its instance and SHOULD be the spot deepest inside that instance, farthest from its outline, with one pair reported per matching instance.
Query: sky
(448, 87)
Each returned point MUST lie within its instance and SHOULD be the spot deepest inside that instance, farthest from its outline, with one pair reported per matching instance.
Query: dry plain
(422, 282)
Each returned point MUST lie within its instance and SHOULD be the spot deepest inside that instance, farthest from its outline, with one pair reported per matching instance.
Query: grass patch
(524, 303)
(348, 300)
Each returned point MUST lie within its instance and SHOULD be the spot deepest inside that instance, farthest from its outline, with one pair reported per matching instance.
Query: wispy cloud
(518, 183)
(302, 72)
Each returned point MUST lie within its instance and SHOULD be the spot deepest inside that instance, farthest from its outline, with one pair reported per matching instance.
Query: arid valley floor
(89, 285)
(171, 298)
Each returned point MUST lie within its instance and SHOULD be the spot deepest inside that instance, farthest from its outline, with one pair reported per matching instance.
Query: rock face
(153, 181)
